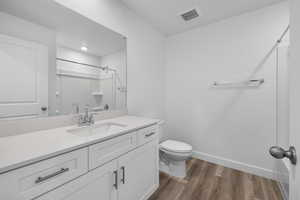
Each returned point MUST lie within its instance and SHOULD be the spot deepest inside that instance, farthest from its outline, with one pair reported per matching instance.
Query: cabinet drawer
(95, 185)
(110, 149)
(147, 134)
(33, 180)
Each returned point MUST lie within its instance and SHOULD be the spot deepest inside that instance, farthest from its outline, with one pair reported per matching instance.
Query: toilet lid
(175, 146)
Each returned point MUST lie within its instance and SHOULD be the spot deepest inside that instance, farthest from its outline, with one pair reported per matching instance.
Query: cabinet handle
(149, 134)
(44, 178)
(116, 179)
(123, 175)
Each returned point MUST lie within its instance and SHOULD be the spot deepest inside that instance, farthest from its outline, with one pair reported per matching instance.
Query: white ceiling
(165, 14)
(72, 29)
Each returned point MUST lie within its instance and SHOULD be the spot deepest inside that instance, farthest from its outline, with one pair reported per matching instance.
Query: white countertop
(21, 150)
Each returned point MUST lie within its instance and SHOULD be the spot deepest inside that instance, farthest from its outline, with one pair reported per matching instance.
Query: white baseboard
(252, 169)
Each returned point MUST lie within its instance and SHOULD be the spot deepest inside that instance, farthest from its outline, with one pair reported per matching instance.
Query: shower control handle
(280, 153)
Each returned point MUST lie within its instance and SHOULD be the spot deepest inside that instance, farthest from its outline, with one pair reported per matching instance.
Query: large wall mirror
(57, 62)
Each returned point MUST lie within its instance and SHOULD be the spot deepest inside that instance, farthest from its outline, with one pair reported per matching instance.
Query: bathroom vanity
(112, 159)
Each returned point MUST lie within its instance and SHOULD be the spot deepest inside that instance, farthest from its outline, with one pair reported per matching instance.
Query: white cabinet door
(24, 78)
(138, 171)
(98, 184)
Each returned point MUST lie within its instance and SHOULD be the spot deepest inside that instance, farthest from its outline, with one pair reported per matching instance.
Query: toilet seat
(174, 146)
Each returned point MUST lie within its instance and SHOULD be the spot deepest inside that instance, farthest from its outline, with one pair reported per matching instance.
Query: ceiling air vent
(192, 14)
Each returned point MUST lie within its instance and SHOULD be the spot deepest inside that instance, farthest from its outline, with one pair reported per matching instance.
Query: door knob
(44, 108)
(280, 153)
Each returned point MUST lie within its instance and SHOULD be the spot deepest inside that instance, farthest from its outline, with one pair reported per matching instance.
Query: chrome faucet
(87, 119)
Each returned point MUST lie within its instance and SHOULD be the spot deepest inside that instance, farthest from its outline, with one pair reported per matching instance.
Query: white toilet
(173, 156)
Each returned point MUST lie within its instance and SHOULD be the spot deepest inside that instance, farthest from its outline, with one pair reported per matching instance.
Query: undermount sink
(96, 129)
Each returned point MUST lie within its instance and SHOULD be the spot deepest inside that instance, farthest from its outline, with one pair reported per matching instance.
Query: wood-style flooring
(207, 181)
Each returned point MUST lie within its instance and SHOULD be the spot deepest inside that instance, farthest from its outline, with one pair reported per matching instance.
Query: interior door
(139, 170)
(283, 140)
(96, 185)
(294, 88)
(24, 78)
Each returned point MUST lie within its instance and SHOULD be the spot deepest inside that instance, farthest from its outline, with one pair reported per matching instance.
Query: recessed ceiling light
(83, 48)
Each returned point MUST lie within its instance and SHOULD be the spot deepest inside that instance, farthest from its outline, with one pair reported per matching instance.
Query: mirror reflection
(57, 62)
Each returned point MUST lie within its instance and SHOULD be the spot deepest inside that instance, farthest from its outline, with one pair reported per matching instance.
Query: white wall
(234, 127)
(70, 54)
(145, 51)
